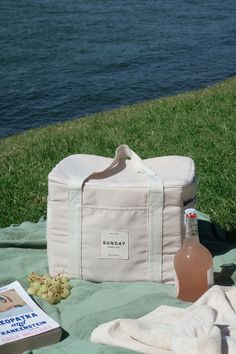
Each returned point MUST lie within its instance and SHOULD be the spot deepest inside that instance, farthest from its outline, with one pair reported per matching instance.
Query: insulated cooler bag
(118, 219)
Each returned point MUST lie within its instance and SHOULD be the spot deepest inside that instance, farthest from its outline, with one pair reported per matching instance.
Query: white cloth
(206, 327)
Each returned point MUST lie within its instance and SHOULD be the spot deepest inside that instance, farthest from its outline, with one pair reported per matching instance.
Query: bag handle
(122, 152)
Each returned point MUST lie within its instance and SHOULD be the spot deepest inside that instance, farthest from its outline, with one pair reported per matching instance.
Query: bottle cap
(190, 214)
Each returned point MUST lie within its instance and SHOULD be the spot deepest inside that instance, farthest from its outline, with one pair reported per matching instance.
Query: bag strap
(124, 151)
(155, 205)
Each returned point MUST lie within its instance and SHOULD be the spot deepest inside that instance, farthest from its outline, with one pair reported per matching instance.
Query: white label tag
(210, 277)
(176, 284)
(115, 244)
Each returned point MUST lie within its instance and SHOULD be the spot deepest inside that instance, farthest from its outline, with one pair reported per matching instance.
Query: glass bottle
(193, 263)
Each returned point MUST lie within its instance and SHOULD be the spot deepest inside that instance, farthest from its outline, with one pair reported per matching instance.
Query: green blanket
(23, 250)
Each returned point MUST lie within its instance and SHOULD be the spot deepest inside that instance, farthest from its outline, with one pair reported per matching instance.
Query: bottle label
(176, 285)
(210, 277)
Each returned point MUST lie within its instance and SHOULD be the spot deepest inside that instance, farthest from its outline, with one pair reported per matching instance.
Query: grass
(199, 124)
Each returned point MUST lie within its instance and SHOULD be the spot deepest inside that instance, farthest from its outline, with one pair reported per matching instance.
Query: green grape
(50, 300)
(44, 296)
(57, 298)
(36, 285)
(67, 286)
(50, 297)
(55, 294)
(43, 288)
(61, 277)
(56, 283)
(31, 291)
(47, 278)
(33, 277)
(64, 279)
(65, 293)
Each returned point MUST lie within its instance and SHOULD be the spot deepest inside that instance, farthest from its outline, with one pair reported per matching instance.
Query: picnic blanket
(23, 250)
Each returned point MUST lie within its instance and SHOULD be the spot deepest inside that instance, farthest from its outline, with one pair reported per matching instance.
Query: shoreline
(107, 111)
(199, 124)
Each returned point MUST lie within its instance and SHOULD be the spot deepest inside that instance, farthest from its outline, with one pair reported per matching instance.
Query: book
(23, 324)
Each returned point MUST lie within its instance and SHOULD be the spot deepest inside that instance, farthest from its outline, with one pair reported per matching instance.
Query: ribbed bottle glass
(193, 263)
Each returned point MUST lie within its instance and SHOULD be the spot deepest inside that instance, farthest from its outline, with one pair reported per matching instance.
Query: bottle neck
(192, 228)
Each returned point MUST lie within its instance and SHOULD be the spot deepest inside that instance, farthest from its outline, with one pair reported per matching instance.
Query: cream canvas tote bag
(118, 219)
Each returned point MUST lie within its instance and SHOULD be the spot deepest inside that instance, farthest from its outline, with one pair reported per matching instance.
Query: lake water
(61, 59)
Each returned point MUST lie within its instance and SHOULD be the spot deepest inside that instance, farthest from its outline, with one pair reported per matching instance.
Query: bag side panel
(57, 229)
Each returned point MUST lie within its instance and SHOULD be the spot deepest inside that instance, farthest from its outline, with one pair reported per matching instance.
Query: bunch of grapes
(51, 289)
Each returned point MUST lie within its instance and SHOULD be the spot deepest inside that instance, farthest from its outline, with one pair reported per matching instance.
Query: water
(61, 59)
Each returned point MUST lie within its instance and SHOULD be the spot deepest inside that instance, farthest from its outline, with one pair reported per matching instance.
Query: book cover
(23, 325)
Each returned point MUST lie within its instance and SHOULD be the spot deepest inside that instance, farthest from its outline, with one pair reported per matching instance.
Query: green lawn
(200, 124)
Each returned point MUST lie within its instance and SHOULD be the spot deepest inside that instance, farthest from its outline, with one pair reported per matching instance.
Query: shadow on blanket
(225, 276)
(219, 242)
